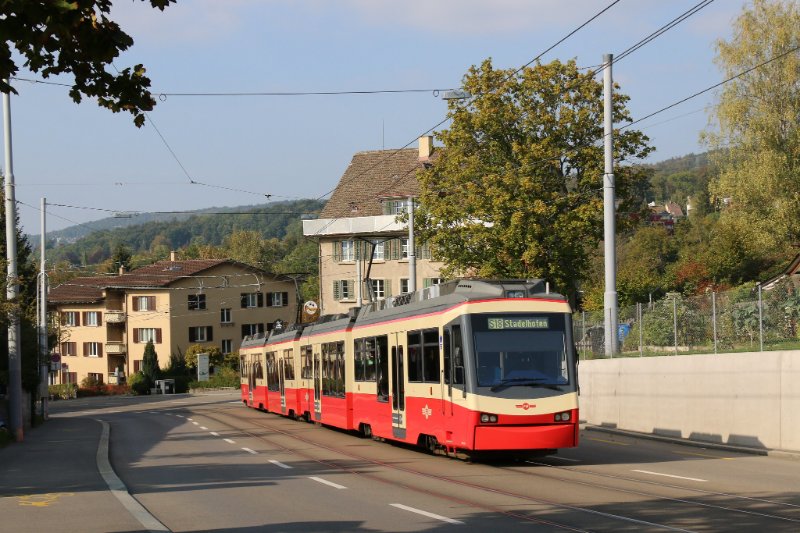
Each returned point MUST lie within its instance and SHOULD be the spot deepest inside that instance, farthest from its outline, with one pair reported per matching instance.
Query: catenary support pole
(760, 320)
(43, 348)
(14, 351)
(714, 317)
(412, 257)
(609, 222)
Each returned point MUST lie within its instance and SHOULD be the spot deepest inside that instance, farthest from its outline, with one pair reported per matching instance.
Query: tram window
(288, 364)
(430, 356)
(333, 369)
(414, 356)
(358, 357)
(370, 357)
(305, 359)
(382, 367)
(272, 372)
(458, 357)
(446, 343)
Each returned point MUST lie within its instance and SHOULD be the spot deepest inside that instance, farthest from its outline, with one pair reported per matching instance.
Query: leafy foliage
(58, 37)
(516, 191)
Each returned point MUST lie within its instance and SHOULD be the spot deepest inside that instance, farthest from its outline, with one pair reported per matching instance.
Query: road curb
(118, 488)
(783, 454)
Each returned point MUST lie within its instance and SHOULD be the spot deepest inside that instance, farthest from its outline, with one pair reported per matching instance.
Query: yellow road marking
(41, 500)
(611, 442)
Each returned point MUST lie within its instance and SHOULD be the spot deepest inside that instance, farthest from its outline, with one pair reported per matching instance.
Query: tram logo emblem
(525, 406)
(426, 411)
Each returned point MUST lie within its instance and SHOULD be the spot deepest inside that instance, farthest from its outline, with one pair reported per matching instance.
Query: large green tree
(517, 188)
(755, 131)
(60, 36)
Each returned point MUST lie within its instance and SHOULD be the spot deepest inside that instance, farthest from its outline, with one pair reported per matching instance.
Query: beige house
(361, 219)
(106, 321)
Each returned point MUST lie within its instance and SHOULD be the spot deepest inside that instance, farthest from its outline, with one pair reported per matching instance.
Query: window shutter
(337, 251)
(135, 335)
(151, 303)
(397, 249)
(85, 349)
(99, 349)
(99, 318)
(426, 283)
(284, 299)
(63, 317)
(209, 333)
(78, 319)
(387, 288)
(84, 314)
(135, 303)
(337, 293)
(270, 300)
(244, 301)
(192, 335)
(64, 350)
(260, 299)
(260, 327)
(158, 335)
(244, 330)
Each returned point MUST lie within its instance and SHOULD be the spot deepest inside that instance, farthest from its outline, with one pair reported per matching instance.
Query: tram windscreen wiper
(532, 382)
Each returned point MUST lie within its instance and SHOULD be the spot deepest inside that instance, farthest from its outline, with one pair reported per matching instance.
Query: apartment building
(360, 221)
(104, 322)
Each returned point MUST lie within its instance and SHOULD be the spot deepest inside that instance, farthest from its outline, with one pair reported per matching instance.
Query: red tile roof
(159, 274)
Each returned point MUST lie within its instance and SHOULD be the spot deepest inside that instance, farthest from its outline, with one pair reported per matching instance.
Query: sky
(242, 148)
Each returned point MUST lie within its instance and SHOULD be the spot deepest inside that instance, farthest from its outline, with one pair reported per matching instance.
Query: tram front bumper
(525, 437)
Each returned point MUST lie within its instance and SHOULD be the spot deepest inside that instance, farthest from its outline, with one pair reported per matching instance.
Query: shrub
(116, 390)
(90, 382)
(64, 391)
(150, 364)
(225, 377)
(138, 384)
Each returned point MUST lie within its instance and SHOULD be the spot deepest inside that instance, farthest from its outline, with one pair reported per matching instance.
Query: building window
(343, 289)
(252, 329)
(72, 318)
(92, 318)
(404, 285)
(225, 315)
(197, 302)
(348, 251)
(379, 253)
(144, 303)
(252, 299)
(137, 365)
(395, 207)
(378, 288)
(69, 348)
(227, 346)
(92, 349)
(427, 282)
(201, 334)
(277, 299)
(145, 335)
(403, 248)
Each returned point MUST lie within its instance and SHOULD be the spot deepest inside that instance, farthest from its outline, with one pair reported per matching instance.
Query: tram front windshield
(520, 350)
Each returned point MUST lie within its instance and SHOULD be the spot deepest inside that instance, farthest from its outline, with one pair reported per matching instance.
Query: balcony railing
(115, 348)
(113, 316)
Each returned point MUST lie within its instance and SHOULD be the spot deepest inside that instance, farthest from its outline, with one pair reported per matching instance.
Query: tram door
(397, 388)
(281, 383)
(251, 378)
(454, 373)
(317, 383)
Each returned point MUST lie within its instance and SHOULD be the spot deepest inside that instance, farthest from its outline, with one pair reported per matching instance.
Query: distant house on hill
(361, 215)
(792, 273)
(665, 215)
(105, 321)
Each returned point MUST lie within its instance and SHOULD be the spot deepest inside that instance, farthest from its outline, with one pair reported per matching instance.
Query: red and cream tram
(468, 366)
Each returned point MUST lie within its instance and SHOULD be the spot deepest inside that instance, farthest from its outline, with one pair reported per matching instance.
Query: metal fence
(740, 320)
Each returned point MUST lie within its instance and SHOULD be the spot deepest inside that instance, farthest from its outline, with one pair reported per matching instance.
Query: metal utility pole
(609, 209)
(412, 258)
(12, 289)
(43, 348)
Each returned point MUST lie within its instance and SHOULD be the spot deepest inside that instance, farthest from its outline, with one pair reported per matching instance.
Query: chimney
(173, 256)
(121, 269)
(425, 147)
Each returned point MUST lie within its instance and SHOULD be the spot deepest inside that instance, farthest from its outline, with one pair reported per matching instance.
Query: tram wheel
(366, 431)
(431, 444)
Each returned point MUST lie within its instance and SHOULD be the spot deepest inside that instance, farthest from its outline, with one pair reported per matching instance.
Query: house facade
(105, 322)
(364, 252)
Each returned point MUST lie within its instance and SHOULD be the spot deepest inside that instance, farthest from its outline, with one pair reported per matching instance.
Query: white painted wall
(744, 399)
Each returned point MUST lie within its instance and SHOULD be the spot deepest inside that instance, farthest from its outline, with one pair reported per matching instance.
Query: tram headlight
(563, 417)
(487, 418)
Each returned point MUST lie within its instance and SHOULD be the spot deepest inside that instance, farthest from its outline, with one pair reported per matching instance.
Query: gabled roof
(158, 275)
(371, 177)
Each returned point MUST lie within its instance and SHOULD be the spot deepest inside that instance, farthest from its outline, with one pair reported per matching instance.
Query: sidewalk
(51, 482)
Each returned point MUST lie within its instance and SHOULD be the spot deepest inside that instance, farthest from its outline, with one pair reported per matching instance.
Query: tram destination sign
(519, 323)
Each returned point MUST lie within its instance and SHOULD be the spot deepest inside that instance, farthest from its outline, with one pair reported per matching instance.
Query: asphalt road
(206, 463)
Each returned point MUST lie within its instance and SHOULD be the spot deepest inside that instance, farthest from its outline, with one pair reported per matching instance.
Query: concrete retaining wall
(744, 399)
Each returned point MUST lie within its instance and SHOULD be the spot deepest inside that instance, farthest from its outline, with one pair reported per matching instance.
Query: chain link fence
(740, 320)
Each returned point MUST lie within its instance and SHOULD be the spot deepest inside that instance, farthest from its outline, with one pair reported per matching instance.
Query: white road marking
(564, 459)
(426, 513)
(669, 475)
(180, 416)
(215, 433)
(203, 427)
(196, 423)
(229, 441)
(326, 482)
(248, 450)
(235, 402)
(280, 464)
(189, 419)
